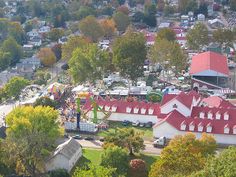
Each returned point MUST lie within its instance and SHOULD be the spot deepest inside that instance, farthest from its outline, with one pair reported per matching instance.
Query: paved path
(98, 145)
(4, 110)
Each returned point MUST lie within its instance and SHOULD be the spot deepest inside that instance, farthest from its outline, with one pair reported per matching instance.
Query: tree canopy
(31, 137)
(130, 54)
(122, 21)
(167, 34)
(47, 57)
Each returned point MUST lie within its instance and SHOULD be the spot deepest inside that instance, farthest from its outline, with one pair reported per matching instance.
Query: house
(213, 116)
(44, 29)
(164, 25)
(65, 156)
(33, 33)
(201, 17)
(216, 23)
(209, 69)
(36, 41)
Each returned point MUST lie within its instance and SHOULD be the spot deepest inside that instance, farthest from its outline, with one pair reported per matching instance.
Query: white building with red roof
(211, 115)
(209, 69)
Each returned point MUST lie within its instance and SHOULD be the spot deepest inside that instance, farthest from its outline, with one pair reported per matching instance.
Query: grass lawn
(94, 156)
(147, 131)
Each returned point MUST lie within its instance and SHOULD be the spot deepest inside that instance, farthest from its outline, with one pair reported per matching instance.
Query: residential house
(65, 156)
(36, 41)
(216, 23)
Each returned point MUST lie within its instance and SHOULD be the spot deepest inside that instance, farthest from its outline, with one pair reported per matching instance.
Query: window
(218, 116)
(113, 108)
(107, 108)
(200, 127)
(209, 115)
(150, 111)
(136, 110)
(226, 130)
(191, 127)
(226, 116)
(234, 130)
(183, 126)
(143, 111)
(201, 115)
(209, 129)
(128, 109)
(100, 106)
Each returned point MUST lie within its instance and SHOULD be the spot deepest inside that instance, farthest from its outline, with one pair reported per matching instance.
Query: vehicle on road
(142, 125)
(125, 123)
(135, 124)
(78, 137)
(89, 138)
(148, 125)
(160, 142)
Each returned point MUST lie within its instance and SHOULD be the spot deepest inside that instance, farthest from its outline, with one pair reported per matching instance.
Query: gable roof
(218, 102)
(209, 61)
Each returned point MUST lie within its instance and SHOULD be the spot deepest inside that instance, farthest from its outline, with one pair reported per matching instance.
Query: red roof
(209, 61)
(215, 101)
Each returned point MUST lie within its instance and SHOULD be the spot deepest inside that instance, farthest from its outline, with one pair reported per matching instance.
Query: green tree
(83, 12)
(167, 34)
(4, 60)
(224, 37)
(15, 85)
(17, 32)
(72, 44)
(55, 34)
(88, 63)
(47, 57)
(117, 158)
(46, 101)
(187, 5)
(91, 28)
(92, 171)
(223, 165)
(59, 173)
(183, 156)
(10, 46)
(197, 37)
(130, 54)
(126, 138)
(31, 137)
(122, 21)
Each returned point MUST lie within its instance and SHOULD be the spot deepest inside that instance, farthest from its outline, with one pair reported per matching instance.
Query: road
(5, 109)
(98, 145)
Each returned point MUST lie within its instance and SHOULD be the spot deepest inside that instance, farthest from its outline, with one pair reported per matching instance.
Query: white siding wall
(75, 158)
(168, 107)
(169, 131)
(57, 162)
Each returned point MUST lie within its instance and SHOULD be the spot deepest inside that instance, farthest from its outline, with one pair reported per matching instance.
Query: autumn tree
(197, 37)
(15, 85)
(130, 54)
(15, 50)
(167, 34)
(88, 63)
(126, 138)
(73, 43)
(183, 156)
(55, 34)
(31, 136)
(123, 9)
(91, 28)
(47, 57)
(138, 168)
(108, 26)
(222, 165)
(117, 158)
(122, 21)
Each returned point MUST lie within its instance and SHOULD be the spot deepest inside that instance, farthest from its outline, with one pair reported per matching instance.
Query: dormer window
(200, 127)
(218, 116)
(113, 108)
(128, 110)
(175, 106)
(209, 115)
(191, 126)
(143, 110)
(226, 129)
(183, 126)
(136, 109)
(100, 106)
(209, 128)
(226, 116)
(150, 111)
(107, 108)
(202, 115)
(234, 130)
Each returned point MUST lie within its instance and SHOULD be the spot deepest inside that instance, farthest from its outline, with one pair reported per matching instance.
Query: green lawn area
(147, 131)
(94, 156)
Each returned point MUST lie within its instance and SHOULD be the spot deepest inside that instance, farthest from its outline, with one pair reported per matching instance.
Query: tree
(168, 54)
(232, 4)
(31, 137)
(187, 5)
(55, 34)
(115, 157)
(45, 101)
(73, 43)
(84, 11)
(88, 63)
(167, 34)
(10, 46)
(130, 54)
(138, 17)
(92, 171)
(41, 77)
(57, 50)
(90, 27)
(16, 31)
(108, 26)
(222, 165)
(183, 156)
(122, 21)
(4, 60)
(15, 85)
(123, 9)
(138, 168)
(59, 173)
(197, 37)
(224, 37)
(47, 57)
(126, 138)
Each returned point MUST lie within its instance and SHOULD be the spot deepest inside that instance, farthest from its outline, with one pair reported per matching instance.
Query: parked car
(78, 137)
(89, 138)
(125, 122)
(148, 125)
(101, 139)
(135, 124)
(142, 124)
(66, 136)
